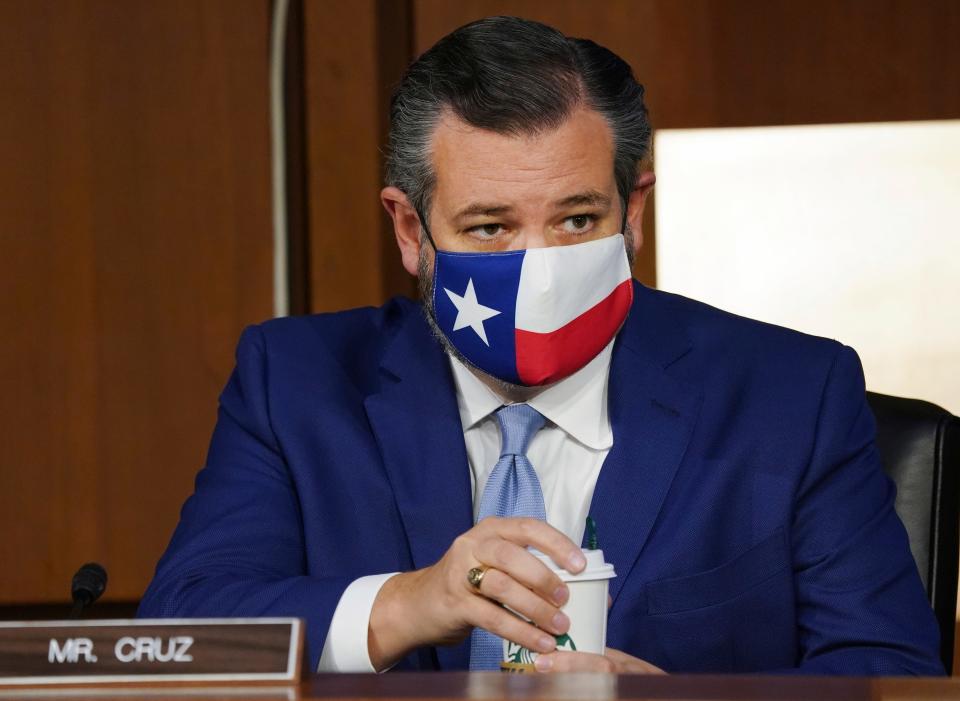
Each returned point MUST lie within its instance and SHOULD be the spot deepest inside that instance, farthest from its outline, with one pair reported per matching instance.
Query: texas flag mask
(534, 316)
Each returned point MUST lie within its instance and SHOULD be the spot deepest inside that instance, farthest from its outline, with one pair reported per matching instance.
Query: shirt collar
(576, 404)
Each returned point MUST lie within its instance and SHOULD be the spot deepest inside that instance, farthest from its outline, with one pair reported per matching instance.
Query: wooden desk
(493, 685)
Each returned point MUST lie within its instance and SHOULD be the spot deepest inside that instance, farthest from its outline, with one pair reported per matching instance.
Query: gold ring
(475, 576)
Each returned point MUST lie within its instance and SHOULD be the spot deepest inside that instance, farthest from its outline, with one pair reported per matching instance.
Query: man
(729, 464)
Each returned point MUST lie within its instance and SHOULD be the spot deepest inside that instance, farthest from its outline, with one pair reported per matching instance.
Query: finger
(541, 535)
(517, 562)
(492, 617)
(629, 664)
(501, 587)
(562, 661)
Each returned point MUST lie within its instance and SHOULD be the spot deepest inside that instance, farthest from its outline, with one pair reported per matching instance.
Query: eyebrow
(587, 198)
(480, 209)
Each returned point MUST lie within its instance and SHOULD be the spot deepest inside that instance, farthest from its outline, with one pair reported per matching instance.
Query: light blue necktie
(511, 490)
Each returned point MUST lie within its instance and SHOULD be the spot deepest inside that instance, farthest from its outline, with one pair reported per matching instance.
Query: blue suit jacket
(742, 503)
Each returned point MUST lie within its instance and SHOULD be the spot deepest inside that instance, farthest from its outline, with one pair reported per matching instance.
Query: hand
(613, 662)
(438, 606)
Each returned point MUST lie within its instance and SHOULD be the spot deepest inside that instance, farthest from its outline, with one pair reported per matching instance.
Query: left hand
(613, 662)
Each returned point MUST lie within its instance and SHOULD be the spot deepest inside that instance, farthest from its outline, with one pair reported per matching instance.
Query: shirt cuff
(346, 647)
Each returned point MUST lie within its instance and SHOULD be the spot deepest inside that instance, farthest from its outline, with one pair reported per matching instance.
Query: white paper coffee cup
(586, 608)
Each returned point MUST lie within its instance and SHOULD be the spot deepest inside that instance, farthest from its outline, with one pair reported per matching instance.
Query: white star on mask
(470, 312)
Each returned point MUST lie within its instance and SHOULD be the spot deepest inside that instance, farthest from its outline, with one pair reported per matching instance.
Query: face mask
(535, 316)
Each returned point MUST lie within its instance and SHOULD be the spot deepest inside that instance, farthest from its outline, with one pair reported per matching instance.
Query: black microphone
(88, 584)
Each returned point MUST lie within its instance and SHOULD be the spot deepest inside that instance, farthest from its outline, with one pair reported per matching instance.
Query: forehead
(472, 163)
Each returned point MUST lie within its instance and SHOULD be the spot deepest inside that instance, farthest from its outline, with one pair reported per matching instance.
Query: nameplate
(154, 651)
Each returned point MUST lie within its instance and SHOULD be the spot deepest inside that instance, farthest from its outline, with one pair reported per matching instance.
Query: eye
(486, 231)
(579, 223)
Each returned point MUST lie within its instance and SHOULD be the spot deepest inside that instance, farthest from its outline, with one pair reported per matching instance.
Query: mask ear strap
(426, 229)
(623, 224)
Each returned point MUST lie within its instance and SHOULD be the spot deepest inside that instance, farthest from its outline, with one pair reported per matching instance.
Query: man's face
(501, 193)
(495, 192)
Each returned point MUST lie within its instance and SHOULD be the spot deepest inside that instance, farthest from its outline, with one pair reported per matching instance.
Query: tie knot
(518, 423)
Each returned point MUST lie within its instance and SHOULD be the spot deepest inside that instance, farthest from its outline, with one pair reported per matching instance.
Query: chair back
(919, 445)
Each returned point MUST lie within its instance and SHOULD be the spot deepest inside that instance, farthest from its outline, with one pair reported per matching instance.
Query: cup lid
(597, 567)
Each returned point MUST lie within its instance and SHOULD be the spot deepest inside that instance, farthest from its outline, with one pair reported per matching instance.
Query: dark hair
(517, 77)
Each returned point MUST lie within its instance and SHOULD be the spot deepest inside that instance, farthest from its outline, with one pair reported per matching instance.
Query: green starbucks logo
(519, 655)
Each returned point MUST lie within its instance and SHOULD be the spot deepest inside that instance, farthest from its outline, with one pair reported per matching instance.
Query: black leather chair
(919, 445)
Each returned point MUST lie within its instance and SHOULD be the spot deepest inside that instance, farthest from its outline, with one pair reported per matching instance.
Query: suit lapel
(417, 426)
(652, 416)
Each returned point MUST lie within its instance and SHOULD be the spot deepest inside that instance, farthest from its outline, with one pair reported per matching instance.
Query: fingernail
(546, 643)
(560, 623)
(543, 663)
(560, 596)
(577, 561)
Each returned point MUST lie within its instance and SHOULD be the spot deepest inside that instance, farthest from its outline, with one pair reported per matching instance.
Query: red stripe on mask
(543, 358)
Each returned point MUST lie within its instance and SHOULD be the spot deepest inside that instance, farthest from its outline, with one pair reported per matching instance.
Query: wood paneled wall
(719, 63)
(135, 243)
(343, 59)
(348, 77)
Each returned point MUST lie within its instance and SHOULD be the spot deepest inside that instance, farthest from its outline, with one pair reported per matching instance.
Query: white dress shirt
(567, 454)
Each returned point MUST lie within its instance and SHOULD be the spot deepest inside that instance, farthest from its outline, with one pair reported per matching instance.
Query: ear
(406, 226)
(635, 206)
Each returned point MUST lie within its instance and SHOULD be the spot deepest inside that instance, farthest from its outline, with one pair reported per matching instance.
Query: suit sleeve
(239, 547)
(861, 607)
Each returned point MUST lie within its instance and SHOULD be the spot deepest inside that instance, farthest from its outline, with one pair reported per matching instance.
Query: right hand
(437, 605)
